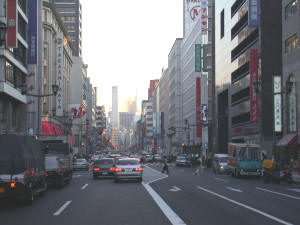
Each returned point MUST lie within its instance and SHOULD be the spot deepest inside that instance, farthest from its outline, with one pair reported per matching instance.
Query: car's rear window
(128, 162)
(105, 162)
(181, 157)
(223, 159)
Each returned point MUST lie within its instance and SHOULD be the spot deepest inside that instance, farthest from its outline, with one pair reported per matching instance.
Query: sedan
(81, 164)
(104, 168)
(182, 161)
(128, 168)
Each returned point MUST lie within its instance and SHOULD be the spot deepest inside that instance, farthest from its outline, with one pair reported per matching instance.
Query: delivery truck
(22, 168)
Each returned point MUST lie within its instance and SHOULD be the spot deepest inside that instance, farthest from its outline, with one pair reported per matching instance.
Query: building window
(22, 27)
(222, 23)
(290, 9)
(23, 5)
(9, 72)
(291, 43)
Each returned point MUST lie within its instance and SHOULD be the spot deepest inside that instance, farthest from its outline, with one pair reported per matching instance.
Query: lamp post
(24, 92)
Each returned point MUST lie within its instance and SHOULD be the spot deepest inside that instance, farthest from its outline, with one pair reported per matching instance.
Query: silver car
(128, 168)
(81, 164)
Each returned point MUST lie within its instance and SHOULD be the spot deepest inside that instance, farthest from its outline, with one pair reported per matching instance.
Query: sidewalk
(296, 177)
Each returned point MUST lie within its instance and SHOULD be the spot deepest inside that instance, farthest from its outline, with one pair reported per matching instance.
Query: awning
(289, 140)
(49, 128)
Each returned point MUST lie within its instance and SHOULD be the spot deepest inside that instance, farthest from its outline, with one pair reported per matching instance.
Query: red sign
(198, 107)
(254, 104)
(12, 18)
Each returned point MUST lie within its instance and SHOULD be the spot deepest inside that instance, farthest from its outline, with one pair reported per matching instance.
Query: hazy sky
(126, 43)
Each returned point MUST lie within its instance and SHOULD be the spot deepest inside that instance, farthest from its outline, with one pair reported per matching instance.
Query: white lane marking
(174, 188)
(294, 189)
(234, 189)
(155, 170)
(246, 206)
(84, 186)
(169, 213)
(75, 176)
(221, 179)
(59, 211)
(278, 193)
(157, 179)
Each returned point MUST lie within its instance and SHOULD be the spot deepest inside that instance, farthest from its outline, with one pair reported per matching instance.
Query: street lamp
(3, 29)
(24, 91)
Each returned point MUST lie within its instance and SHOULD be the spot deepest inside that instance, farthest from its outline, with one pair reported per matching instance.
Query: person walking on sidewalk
(199, 166)
(166, 167)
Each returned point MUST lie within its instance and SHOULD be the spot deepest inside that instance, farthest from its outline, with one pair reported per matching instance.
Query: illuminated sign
(59, 73)
(277, 104)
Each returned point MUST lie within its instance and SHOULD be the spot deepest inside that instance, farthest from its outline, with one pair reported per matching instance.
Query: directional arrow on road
(174, 188)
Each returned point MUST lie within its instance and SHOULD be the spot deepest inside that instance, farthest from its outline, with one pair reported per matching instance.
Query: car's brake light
(119, 169)
(138, 169)
(96, 169)
(112, 169)
(60, 170)
(13, 185)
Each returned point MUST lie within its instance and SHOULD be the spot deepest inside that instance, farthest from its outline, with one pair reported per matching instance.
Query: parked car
(22, 168)
(157, 158)
(104, 168)
(182, 160)
(220, 163)
(128, 168)
(81, 164)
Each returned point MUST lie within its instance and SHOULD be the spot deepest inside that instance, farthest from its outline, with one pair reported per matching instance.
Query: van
(220, 163)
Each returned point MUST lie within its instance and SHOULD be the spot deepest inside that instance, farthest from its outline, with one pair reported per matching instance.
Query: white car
(128, 169)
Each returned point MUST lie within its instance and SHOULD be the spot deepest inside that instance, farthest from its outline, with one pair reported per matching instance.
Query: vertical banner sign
(59, 73)
(198, 58)
(204, 113)
(12, 18)
(292, 119)
(32, 31)
(191, 13)
(277, 103)
(254, 97)
(198, 107)
(162, 123)
(204, 17)
(254, 13)
(154, 123)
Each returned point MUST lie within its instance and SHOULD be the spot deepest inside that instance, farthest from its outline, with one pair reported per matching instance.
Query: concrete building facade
(115, 107)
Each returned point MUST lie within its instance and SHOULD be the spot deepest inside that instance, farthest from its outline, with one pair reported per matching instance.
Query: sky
(126, 44)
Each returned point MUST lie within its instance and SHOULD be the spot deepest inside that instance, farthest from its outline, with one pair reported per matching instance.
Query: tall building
(71, 14)
(14, 68)
(115, 108)
(248, 53)
(126, 120)
(291, 75)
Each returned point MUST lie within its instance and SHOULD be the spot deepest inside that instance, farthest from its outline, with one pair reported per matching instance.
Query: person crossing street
(166, 167)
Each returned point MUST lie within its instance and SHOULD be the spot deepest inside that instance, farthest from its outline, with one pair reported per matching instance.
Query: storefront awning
(289, 140)
(49, 128)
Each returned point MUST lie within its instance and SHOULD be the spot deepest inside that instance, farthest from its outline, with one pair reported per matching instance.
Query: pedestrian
(166, 167)
(199, 166)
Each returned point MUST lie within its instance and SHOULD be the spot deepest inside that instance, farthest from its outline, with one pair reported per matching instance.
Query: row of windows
(65, 10)
(13, 75)
(68, 18)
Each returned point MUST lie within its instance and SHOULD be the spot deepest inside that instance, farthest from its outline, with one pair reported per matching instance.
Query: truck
(244, 160)
(22, 168)
(58, 161)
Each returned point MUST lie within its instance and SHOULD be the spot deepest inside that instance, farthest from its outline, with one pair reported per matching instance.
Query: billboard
(277, 103)
(162, 123)
(198, 107)
(254, 97)
(12, 21)
(59, 73)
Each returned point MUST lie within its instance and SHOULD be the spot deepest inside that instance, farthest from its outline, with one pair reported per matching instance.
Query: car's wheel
(95, 176)
(140, 179)
(61, 182)
(42, 193)
(29, 198)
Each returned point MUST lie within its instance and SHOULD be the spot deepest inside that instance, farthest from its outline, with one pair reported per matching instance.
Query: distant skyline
(126, 44)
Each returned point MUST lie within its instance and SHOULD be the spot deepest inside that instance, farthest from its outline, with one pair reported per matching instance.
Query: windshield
(105, 162)
(223, 159)
(248, 154)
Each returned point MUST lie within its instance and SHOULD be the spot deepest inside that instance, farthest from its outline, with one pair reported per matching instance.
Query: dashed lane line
(61, 209)
(246, 206)
(84, 186)
(234, 189)
(221, 179)
(278, 193)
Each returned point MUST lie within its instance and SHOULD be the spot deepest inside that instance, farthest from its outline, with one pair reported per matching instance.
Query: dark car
(104, 168)
(182, 160)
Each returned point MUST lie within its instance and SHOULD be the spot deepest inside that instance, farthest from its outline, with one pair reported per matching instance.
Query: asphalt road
(180, 198)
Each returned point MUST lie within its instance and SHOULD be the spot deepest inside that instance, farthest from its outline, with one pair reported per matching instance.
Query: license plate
(2, 190)
(128, 170)
(104, 173)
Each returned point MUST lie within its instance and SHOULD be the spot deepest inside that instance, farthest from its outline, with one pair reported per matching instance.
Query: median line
(61, 209)
(84, 186)
(169, 213)
(216, 178)
(246, 206)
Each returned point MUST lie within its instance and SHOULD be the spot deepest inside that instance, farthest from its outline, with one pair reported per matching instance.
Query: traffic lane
(250, 195)
(106, 202)
(197, 207)
(43, 208)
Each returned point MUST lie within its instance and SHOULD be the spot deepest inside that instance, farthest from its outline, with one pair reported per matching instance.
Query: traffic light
(82, 144)
(182, 144)
(104, 132)
(110, 141)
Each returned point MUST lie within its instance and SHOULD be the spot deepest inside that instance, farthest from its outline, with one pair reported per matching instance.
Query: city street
(180, 198)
